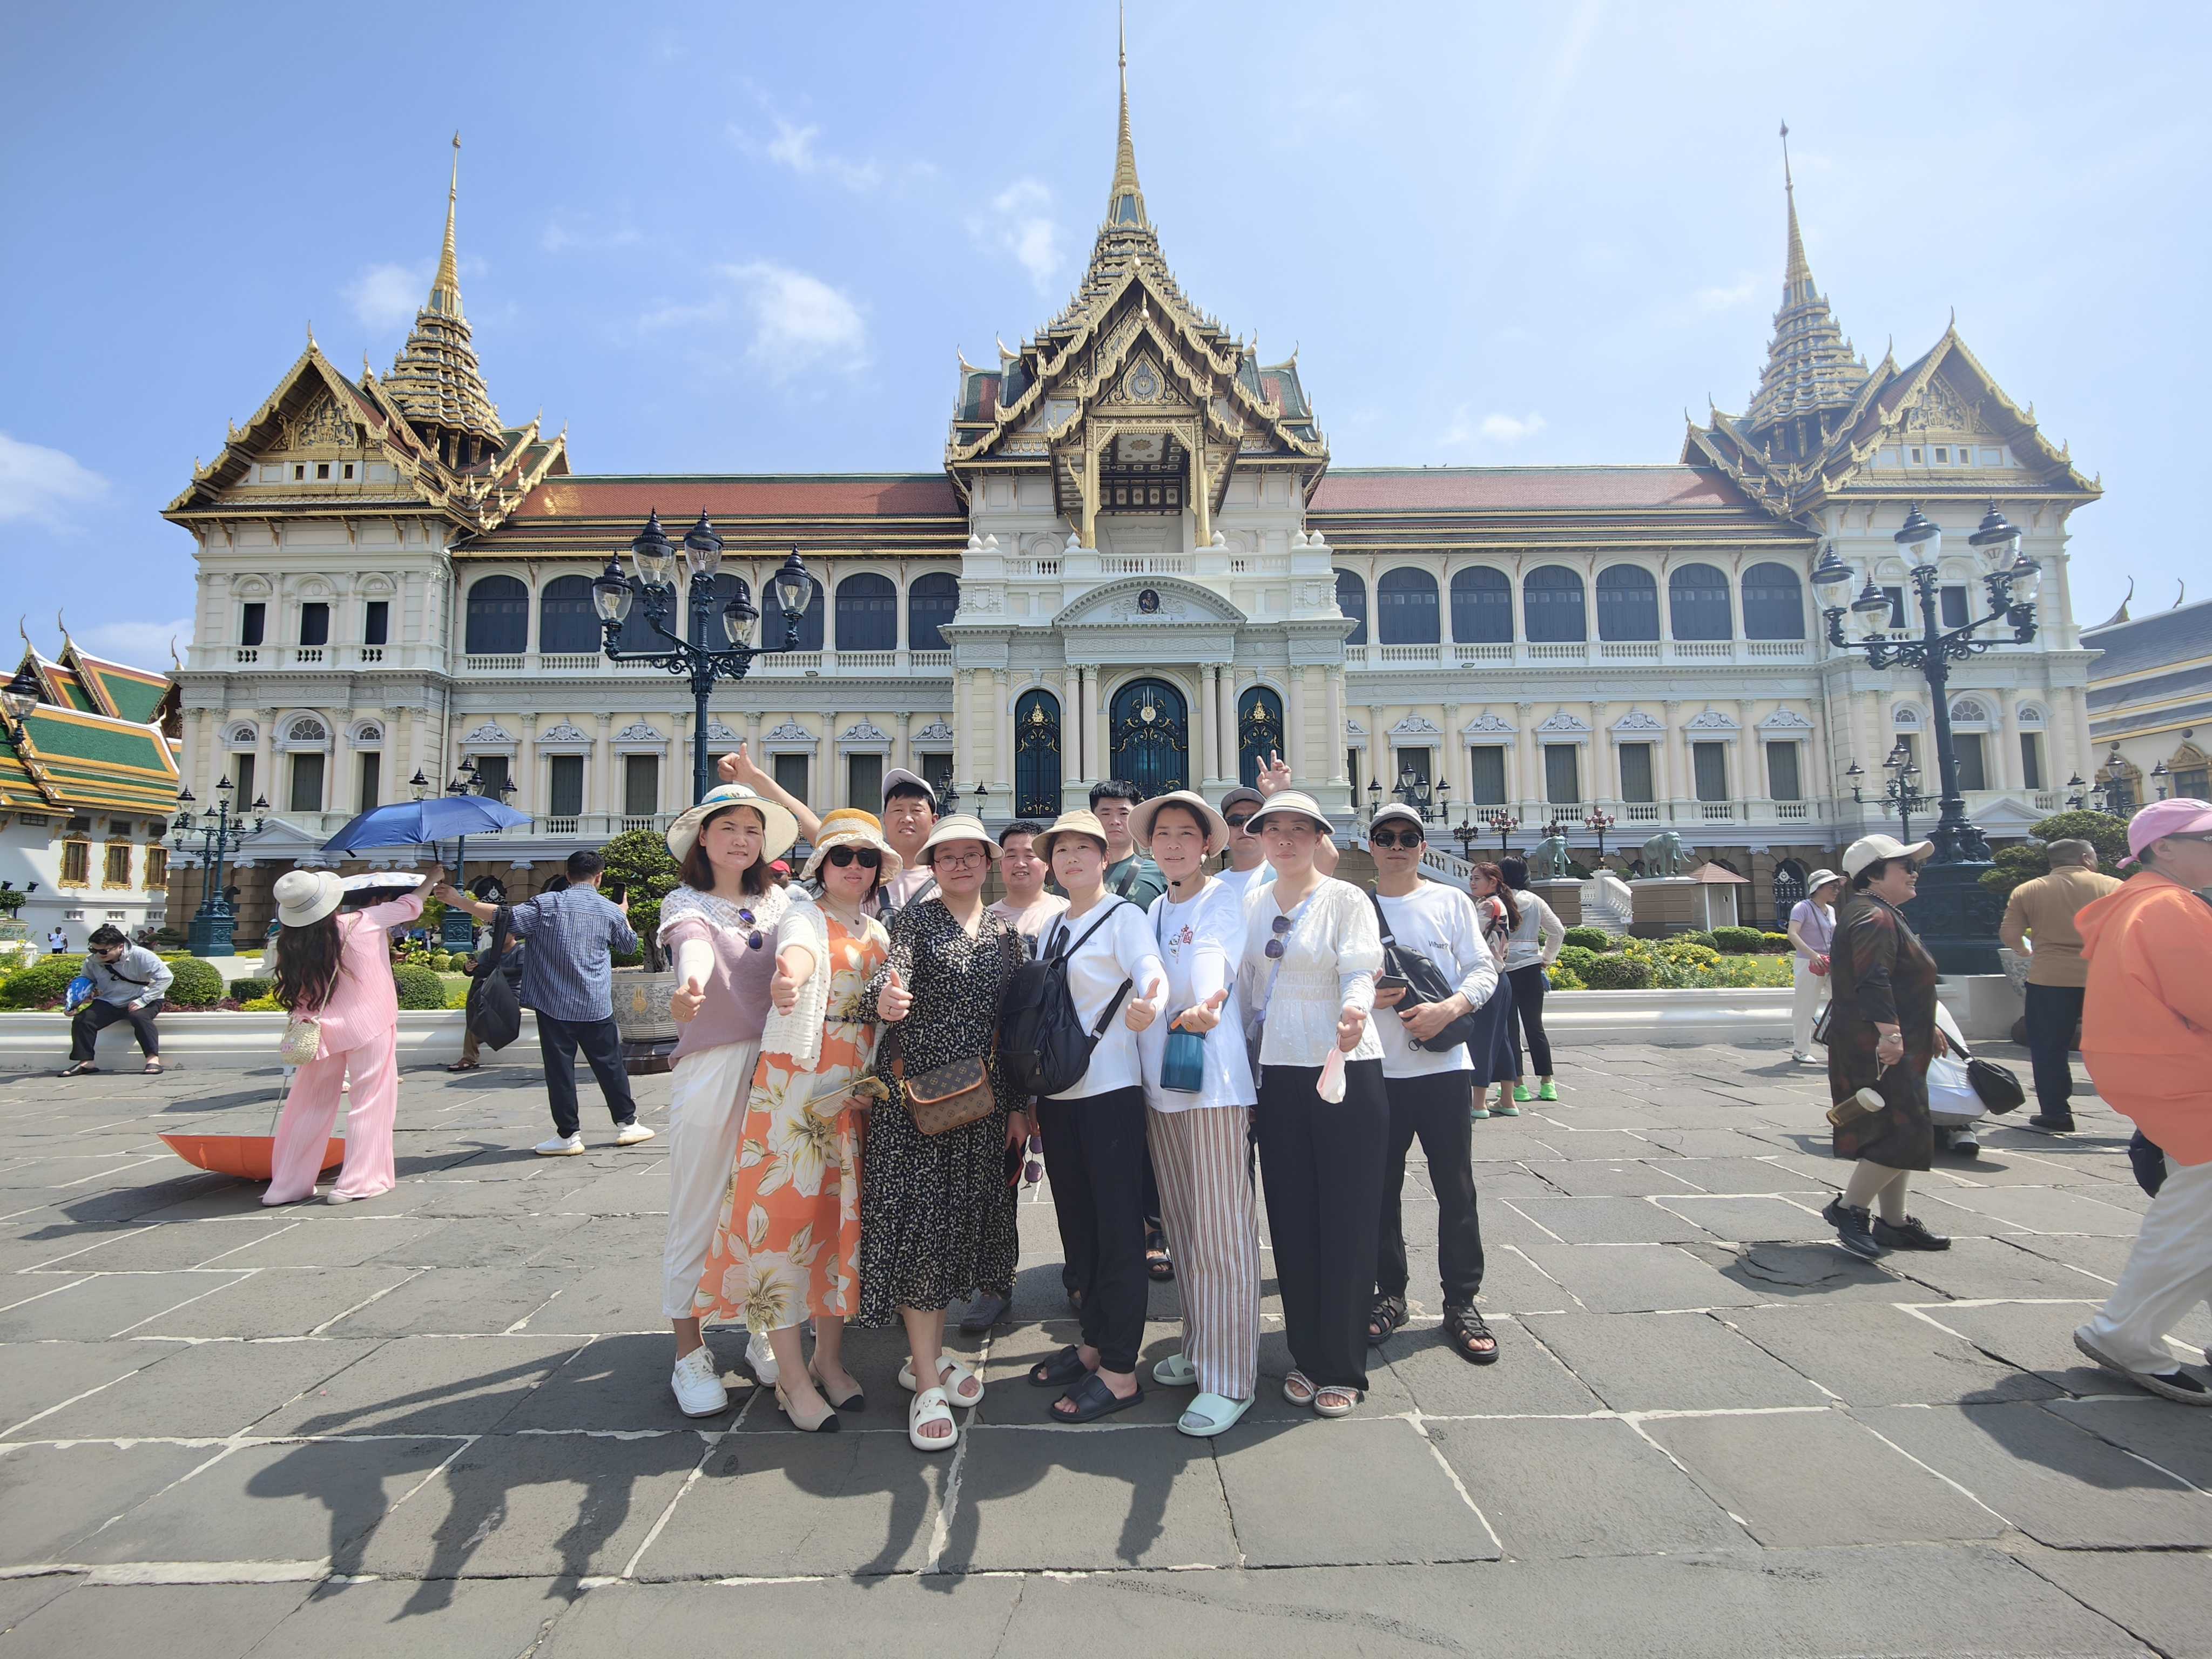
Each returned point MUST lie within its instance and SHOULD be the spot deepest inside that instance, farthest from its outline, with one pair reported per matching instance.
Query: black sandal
(1465, 1329)
(82, 1068)
(1158, 1262)
(1092, 1400)
(1063, 1368)
(1385, 1319)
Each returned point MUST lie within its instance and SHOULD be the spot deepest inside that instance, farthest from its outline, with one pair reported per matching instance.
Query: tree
(639, 860)
(2025, 862)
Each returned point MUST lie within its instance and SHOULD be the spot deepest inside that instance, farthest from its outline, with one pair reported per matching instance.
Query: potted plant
(639, 858)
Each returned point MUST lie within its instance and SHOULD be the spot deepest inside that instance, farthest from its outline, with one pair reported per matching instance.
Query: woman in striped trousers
(1199, 1116)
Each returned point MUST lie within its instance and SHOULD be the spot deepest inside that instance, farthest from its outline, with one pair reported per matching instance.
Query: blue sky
(750, 239)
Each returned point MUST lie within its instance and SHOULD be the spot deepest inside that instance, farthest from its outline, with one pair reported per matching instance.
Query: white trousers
(1809, 988)
(706, 1115)
(2168, 1273)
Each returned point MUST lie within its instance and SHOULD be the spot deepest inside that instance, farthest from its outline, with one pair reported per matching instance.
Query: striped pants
(1201, 1156)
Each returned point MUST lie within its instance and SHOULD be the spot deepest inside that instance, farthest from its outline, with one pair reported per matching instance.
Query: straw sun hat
(848, 826)
(779, 827)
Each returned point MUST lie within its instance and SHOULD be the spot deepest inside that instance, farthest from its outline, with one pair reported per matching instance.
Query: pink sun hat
(2181, 817)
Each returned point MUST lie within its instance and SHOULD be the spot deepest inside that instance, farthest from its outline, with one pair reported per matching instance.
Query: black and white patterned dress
(937, 1217)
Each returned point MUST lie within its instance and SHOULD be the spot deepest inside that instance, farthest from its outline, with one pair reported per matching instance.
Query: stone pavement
(441, 1418)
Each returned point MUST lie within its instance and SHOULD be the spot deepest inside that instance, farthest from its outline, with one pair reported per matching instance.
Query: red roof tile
(889, 495)
(1506, 488)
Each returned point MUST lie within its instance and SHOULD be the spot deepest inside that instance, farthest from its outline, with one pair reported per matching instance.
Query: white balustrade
(1501, 652)
(1628, 650)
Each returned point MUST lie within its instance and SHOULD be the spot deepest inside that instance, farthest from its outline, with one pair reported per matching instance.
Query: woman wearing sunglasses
(719, 925)
(1311, 952)
(787, 1247)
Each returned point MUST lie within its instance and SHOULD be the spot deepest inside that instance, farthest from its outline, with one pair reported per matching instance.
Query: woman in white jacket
(1311, 952)
(1533, 946)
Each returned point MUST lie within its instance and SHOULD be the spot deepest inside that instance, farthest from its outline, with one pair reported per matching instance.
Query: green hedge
(197, 984)
(1774, 942)
(1737, 941)
(1616, 973)
(1577, 959)
(1590, 938)
(45, 981)
(419, 987)
(246, 990)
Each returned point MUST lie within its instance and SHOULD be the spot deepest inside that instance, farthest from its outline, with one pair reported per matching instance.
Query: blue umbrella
(418, 822)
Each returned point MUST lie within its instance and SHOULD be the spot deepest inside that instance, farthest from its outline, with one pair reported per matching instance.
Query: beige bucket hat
(961, 826)
(305, 897)
(779, 829)
(1140, 821)
(1081, 821)
(848, 826)
(1290, 803)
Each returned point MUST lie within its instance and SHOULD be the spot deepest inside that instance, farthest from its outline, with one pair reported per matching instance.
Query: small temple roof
(435, 380)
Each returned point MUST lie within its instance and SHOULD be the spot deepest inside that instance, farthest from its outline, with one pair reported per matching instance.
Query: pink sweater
(365, 1003)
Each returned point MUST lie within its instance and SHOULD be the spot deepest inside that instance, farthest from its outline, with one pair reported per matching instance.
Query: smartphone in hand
(615, 891)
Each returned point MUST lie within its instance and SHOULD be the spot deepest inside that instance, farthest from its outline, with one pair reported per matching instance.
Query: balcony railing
(494, 664)
(1145, 564)
(1471, 654)
(1495, 652)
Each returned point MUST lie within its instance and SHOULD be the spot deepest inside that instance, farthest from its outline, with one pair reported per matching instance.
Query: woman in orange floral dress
(787, 1249)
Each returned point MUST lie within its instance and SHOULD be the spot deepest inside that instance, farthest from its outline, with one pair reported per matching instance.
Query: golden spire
(1811, 374)
(446, 286)
(1796, 269)
(1125, 202)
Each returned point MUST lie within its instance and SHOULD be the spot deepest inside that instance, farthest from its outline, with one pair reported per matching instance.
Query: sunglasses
(1238, 823)
(866, 857)
(1410, 840)
(756, 939)
(1282, 926)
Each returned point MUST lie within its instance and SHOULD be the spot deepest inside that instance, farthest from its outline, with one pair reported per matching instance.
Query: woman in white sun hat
(1812, 936)
(336, 970)
(787, 1247)
(720, 925)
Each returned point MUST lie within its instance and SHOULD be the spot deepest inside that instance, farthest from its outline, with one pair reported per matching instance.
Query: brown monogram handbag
(947, 1097)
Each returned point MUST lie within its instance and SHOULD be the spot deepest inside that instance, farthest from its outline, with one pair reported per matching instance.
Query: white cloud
(1466, 432)
(389, 295)
(584, 233)
(798, 322)
(43, 485)
(793, 147)
(1725, 299)
(141, 644)
(1020, 222)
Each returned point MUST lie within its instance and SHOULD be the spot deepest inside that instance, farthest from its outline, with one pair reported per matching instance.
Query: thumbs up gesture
(684, 1004)
(1144, 1010)
(894, 1001)
(783, 989)
(1203, 1017)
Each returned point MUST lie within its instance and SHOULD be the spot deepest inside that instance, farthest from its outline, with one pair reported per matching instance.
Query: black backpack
(1043, 1049)
(494, 1013)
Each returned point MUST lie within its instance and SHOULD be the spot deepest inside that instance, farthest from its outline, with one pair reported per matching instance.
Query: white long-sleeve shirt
(1539, 937)
(1330, 957)
(1440, 922)
(1120, 949)
(1201, 943)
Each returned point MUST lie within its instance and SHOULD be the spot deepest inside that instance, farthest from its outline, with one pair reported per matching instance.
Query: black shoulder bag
(1425, 982)
(494, 1011)
(1043, 1046)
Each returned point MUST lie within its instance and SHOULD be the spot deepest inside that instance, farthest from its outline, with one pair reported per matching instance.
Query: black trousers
(1435, 1108)
(558, 1042)
(1321, 1165)
(1094, 1151)
(1529, 986)
(96, 1017)
(2054, 1012)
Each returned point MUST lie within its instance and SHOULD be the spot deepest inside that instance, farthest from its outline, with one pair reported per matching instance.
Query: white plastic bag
(1331, 1086)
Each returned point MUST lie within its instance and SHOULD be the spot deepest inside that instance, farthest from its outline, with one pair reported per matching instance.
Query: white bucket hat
(1290, 803)
(1080, 822)
(962, 826)
(305, 897)
(1140, 821)
(1818, 880)
(779, 827)
(1872, 849)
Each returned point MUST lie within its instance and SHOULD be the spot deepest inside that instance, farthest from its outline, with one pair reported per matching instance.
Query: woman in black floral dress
(937, 1217)
(1881, 1035)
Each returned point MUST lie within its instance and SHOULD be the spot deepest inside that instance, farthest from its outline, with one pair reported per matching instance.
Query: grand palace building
(1134, 560)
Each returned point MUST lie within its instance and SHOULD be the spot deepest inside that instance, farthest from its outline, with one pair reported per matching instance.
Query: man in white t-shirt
(1430, 1090)
(1248, 861)
(1027, 908)
(909, 814)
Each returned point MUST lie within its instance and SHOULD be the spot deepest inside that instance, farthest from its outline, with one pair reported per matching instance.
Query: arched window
(810, 631)
(1481, 606)
(1259, 732)
(1552, 605)
(1037, 754)
(1773, 603)
(704, 625)
(867, 613)
(1352, 599)
(931, 602)
(499, 617)
(566, 621)
(1698, 598)
(1406, 607)
(1627, 603)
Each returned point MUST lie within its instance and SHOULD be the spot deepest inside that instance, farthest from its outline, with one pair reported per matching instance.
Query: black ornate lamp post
(982, 796)
(1954, 913)
(1505, 824)
(1374, 797)
(220, 835)
(654, 558)
(1902, 793)
(1597, 824)
(1414, 790)
(1467, 834)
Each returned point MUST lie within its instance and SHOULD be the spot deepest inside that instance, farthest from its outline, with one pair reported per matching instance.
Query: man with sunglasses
(1430, 1090)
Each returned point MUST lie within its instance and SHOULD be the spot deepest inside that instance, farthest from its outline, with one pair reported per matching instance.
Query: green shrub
(1577, 959)
(419, 987)
(1736, 941)
(457, 988)
(1771, 972)
(2016, 864)
(168, 938)
(1696, 936)
(640, 859)
(1565, 979)
(245, 990)
(261, 1005)
(1621, 972)
(45, 981)
(441, 962)
(1589, 939)
(1773, 942)
(196, 984)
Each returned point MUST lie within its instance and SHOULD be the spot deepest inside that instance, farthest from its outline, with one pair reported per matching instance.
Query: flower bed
(1683, 962)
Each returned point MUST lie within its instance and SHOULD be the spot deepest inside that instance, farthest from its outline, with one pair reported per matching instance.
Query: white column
(1072, 722)
(601, 798)
(2005, 772)
(1205, 730)
(1294, 721)
(901, 754)
(1002, 734)
(1094, 726)
(1334, 680)
(1226, 717)
(963, 744)
(1670, 766)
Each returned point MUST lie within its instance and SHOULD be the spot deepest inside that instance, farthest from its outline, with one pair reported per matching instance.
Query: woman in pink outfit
(337, 970)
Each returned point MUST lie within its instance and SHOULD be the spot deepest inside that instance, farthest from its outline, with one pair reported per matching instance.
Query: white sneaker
(699, 1390)
(762, 1357)
(559, 1146)
(632, 1133)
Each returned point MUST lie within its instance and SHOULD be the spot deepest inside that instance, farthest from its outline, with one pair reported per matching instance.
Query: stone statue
(1549, 860)
(1664, 855)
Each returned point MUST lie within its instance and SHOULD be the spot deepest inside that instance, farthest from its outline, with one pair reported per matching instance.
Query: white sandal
(1299, 1389)
(1211, 1414)
(1335, 1401)
(953, 1379)
(1176, 1372)
(929, 1406)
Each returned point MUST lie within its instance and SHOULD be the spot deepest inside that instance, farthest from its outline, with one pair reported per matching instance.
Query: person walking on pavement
(336, 970)
(1530, 949)
(1881, 1035)
(567, 977)
(1430, 1090)
(130, 984)
(2039, 924)
(2147, 1040)
(1812, 931)
(1496, 909)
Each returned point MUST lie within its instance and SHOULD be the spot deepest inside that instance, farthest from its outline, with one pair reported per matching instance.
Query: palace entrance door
(1149, 730)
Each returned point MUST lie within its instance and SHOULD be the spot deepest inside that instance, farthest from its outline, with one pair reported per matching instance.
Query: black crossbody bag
(1425, 982)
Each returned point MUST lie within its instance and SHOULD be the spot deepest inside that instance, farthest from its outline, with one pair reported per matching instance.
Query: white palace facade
(1134, 560)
